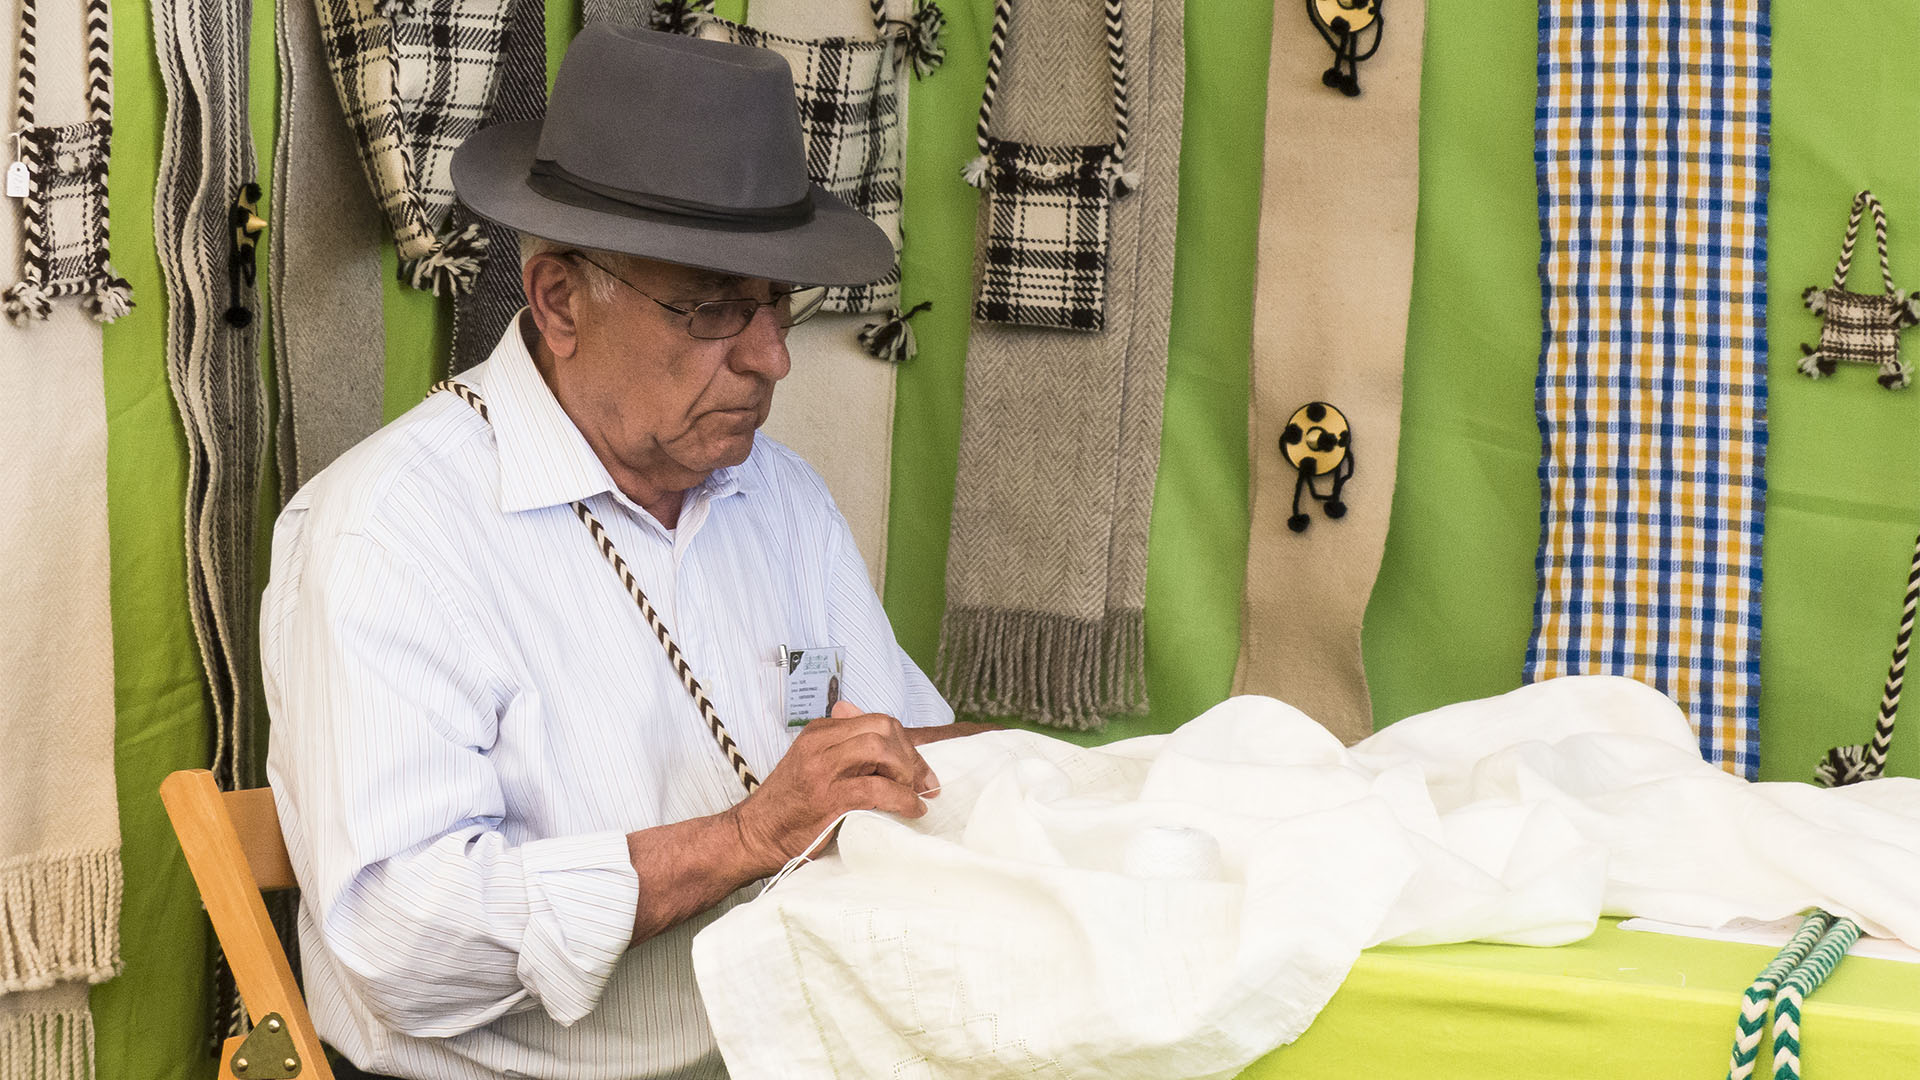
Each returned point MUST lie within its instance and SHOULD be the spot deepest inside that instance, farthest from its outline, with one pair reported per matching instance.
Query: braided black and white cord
(604, 542)
(24, 77)
(1866, 761)
(99, 61)
(1123, 180)
(1841, 269)
(976, 170)
(1116, 29)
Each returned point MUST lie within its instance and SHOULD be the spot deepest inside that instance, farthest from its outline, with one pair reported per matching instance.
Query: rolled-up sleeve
(385, 705)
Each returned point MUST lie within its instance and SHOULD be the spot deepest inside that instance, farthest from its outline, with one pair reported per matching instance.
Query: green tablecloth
(1619, 1004)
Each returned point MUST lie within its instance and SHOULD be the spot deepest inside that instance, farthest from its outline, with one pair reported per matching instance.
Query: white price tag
(18, 180)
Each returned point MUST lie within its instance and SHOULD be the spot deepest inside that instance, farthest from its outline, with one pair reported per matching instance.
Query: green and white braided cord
(1803, 981)
(1759, 996)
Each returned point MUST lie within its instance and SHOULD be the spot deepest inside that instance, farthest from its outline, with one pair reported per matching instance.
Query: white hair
(598, 285)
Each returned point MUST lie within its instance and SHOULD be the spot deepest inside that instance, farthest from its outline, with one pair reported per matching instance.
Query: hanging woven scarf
(850, 90)
(61, 177)
(1060, 439)
(206, 182)
(60, 875)
(1652, 388)
(330, 356)
(1330, 324)
(481, 315)
(414, 80)
(851, 62)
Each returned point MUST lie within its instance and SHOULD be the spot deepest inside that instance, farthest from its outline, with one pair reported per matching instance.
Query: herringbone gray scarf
(1060, 442)
(519, 93)
(329, 358)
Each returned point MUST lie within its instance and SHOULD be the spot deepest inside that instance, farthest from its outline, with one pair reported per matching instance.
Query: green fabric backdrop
(1452, 607)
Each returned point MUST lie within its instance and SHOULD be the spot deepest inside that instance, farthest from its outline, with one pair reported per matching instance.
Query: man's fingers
(879, 793)
(846, 710)
(870, 754)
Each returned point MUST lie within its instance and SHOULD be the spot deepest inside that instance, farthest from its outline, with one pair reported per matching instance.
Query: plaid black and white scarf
(849, 94)
(414, 81)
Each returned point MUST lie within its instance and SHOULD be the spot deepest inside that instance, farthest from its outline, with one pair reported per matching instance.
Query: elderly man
(525, 648)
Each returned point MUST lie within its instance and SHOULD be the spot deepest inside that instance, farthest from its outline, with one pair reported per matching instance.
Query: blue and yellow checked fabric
(1651, 147)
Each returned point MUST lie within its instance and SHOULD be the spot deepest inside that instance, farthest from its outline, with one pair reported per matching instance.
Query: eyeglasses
(714, 320)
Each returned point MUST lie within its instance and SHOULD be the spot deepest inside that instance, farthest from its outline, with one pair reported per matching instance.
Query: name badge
(810, 682)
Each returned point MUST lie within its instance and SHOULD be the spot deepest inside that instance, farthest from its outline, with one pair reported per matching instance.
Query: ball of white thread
(1173, 852)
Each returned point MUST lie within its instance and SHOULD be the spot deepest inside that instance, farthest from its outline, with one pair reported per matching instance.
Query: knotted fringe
(923, 32)
(59, 919)
(975, 171)
(678, 16)
(1047, 669)
(26, 301)
(111, 299)
(452, 263)
(47, 1045)
(891, 339)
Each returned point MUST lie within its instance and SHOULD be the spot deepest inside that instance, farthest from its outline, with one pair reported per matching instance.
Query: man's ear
(554, 292)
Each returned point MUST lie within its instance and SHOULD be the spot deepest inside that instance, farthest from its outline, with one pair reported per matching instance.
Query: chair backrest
(234, 849)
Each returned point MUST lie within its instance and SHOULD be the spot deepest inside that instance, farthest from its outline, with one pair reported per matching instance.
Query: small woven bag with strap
(1860, 328)
(1048, 207)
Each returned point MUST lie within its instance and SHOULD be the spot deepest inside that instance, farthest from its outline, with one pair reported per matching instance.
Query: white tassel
(26, 301)
(975, 172)
(1897, 376)
(110, 300)
(1810, 366)
(454, 263)
(1816, 299)
(1127, 182)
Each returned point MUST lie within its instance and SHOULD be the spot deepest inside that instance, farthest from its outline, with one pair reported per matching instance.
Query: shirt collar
(544, 460)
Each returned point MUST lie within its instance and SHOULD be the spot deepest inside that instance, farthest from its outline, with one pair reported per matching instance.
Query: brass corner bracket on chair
(267, 1053)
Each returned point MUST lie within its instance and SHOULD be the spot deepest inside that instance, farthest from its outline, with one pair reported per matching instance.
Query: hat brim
(837, 246)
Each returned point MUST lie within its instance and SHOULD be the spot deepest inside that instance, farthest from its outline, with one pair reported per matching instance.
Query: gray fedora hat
(677, 149)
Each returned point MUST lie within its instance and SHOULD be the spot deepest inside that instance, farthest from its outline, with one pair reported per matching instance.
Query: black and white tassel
(453, 263)
(26, 301)
(891, 339)
(679, 16)
(111, 299)
(923, 32)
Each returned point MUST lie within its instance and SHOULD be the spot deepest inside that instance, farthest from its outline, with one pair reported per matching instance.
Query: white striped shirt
(469, 715)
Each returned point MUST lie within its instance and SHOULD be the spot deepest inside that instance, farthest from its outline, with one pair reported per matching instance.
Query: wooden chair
(234, 849)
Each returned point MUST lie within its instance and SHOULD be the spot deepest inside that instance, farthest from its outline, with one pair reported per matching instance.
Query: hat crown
(677, 118)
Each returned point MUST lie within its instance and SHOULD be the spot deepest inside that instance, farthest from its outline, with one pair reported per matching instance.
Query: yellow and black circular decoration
(1318, 442)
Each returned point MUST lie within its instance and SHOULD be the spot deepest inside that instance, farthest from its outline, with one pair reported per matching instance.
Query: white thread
(806, 856)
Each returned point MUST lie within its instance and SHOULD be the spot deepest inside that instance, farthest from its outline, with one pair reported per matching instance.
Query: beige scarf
(1060, 441)
(59, 821)
(836, 406)
(1337, 210)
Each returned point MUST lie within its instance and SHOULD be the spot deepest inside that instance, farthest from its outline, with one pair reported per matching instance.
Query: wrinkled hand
(849, 761)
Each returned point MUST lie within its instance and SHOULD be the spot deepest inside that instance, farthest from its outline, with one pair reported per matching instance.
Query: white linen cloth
(1044, 920)
(469, 714)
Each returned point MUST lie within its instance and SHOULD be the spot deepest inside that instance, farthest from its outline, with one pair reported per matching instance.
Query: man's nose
(761, 348)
